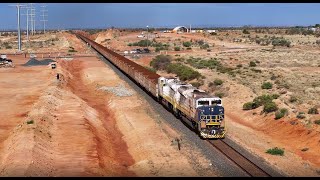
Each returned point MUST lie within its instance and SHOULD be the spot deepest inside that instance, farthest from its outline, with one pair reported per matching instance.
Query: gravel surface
(34, 62)
(119, 90)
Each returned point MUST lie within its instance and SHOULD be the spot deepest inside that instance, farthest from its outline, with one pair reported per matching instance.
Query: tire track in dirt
(112, 150)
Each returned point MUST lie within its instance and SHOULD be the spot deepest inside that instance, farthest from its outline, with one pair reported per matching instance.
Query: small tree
(186, 44)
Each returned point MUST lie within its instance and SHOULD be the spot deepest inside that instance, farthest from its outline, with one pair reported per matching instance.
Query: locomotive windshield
(203, 103)
(215, 102)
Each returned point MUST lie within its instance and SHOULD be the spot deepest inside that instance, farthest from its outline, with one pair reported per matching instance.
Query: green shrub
(249, 106)
(245, 31)
(142, 43)
(177, 48)
(186, 44)
(281, 113)
(252, 64)
(293, 99)
(239, 65)
(263, 99)
(275, 96)
(270, 107)
(196, 84)
(160, 62)
(182, 71)
(204, 46)
(30, 122)
(313, 110)
(301, 115)
(317, 121)
(281, 42)
(218, 82)
(275, 151)
(266, 85)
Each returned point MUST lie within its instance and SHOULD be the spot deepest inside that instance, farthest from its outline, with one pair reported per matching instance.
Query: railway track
(240, 160)
(232, 154)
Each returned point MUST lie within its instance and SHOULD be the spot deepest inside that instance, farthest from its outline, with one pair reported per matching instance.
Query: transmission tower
(19, 36)
(43, 10)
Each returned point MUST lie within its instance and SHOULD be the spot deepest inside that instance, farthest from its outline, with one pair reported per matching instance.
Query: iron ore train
(202, 111)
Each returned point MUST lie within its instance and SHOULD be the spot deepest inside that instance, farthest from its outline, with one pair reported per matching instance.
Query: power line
(19, 36)
(43, 17)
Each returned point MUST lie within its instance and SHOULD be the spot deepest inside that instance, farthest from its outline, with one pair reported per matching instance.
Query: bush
(196, 84)
(313, 110)
(177, 48)
(186, 44)
(293, 99)
(317, 121)
(218, 82)
(275, 96)
(275, 151)
(249, 106)
(270, 107)
(30, 122)
(245, 31)
(204, 46)
(160, 62)
(266, 85)
(252, 64)
(183, 72)
(281, 42)
(301, 115)
(142, 43)
(263, 99)
(281, 113)
(239, 65)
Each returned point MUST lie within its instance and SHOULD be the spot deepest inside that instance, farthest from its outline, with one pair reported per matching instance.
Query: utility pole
(43, 18)
(28, 8)
(147, 36)
(19, 36)
(32, 16)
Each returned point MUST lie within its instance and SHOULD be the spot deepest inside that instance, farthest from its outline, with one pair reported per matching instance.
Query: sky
(136, 15)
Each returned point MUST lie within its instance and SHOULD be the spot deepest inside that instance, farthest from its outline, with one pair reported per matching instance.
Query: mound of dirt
(34, 62)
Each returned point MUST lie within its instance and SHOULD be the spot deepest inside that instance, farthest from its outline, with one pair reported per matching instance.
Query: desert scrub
(187, 44)
(30, 122)
(252, 64)
(301, 115)
(313, 110)
(293, 99)
(281, 113)
(177, 48)
(270, 107)
(197, 84)
(218, 82)
(219, 94)
(160, 62)
(275, 96)
(183, 72)
(266, 85)
(275, 151)
(249, 106)
(317, 122)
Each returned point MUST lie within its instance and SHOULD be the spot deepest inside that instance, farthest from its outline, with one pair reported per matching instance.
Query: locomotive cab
(210, 117)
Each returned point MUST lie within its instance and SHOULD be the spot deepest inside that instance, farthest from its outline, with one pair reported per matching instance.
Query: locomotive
(204, 112)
